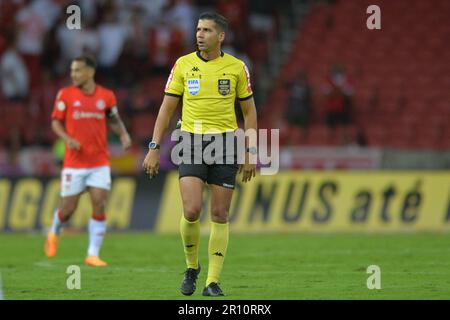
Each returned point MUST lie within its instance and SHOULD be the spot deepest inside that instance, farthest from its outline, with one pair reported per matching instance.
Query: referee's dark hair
(220, 20)
(88, 60)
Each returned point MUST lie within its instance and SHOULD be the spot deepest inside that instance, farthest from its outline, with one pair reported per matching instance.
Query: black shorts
(222, 171)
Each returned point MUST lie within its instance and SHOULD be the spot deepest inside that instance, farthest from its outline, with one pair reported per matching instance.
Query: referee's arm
(168, 106)
(250, 122)
(249, 112)
(165, 114)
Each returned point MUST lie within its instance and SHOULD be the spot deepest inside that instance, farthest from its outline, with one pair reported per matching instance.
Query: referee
(208, 81)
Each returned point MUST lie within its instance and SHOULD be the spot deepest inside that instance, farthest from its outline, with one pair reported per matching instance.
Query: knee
(219, 214)
(192, 212)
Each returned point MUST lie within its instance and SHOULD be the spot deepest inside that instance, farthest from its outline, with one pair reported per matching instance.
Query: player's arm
(250, 122)
(58, 128)
(168, 106)
(116, 125)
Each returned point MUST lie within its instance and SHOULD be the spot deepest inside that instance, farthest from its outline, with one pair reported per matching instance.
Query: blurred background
(345, 99)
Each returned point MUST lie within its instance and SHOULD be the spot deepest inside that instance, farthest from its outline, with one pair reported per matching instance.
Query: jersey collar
(87, 94)
(203, 59)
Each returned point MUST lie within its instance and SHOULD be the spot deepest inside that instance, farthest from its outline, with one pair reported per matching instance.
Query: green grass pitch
(275, 266)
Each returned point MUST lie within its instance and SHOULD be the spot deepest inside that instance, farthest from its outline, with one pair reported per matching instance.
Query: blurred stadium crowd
(390, 86)
(337, 83)
(136, 43)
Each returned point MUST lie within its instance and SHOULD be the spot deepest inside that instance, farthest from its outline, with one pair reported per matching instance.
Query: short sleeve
(174, 85)
(244, 87)
(111, 105)
(60, 106)
(112, 100)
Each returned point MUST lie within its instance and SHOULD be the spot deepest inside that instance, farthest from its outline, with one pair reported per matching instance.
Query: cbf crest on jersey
(193, 86)
(224, 86)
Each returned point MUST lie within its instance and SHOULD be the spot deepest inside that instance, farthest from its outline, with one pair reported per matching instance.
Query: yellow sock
(217, 248)
(190, 234)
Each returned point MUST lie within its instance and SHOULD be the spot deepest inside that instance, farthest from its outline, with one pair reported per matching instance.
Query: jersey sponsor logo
(195, 69)
(224, 86)
(193, 86)
(100, 104)
(61, 105)
(77, 115)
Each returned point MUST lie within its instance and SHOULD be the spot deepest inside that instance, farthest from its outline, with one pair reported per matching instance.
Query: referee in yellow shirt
(208, 81)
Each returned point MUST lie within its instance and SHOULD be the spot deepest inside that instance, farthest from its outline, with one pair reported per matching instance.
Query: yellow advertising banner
(334, 201)
(29, 203)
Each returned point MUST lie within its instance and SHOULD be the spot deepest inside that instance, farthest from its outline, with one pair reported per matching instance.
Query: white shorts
(75, 181)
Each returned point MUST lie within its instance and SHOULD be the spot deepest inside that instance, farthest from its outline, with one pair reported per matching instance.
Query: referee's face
(209, 36)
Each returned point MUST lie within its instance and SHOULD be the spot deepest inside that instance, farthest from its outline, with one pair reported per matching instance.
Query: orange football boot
(95, 261)
(51, 244)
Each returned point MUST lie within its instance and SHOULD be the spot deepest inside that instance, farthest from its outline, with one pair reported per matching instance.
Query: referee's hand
(151, 163)
(249, 171)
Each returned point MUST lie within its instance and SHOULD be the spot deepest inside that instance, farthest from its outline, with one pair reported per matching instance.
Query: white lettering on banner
(77, 115)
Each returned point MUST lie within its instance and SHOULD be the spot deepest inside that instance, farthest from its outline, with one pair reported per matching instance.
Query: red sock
(98, 216)
(60, 216)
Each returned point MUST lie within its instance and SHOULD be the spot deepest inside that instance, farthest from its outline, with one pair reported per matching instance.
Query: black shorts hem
(192, 175)
(221, 185)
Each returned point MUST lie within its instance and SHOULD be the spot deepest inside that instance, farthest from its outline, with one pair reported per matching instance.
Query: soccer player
(208, 81)
(80, 117)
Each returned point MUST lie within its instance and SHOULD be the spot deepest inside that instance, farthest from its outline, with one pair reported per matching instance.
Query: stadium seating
(400, 73)
(400, 76)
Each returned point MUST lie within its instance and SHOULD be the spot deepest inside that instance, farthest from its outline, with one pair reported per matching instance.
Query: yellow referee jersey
(209, 89)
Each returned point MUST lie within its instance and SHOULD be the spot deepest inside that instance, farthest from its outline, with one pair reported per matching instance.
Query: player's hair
(220, 20)
(88, 60)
